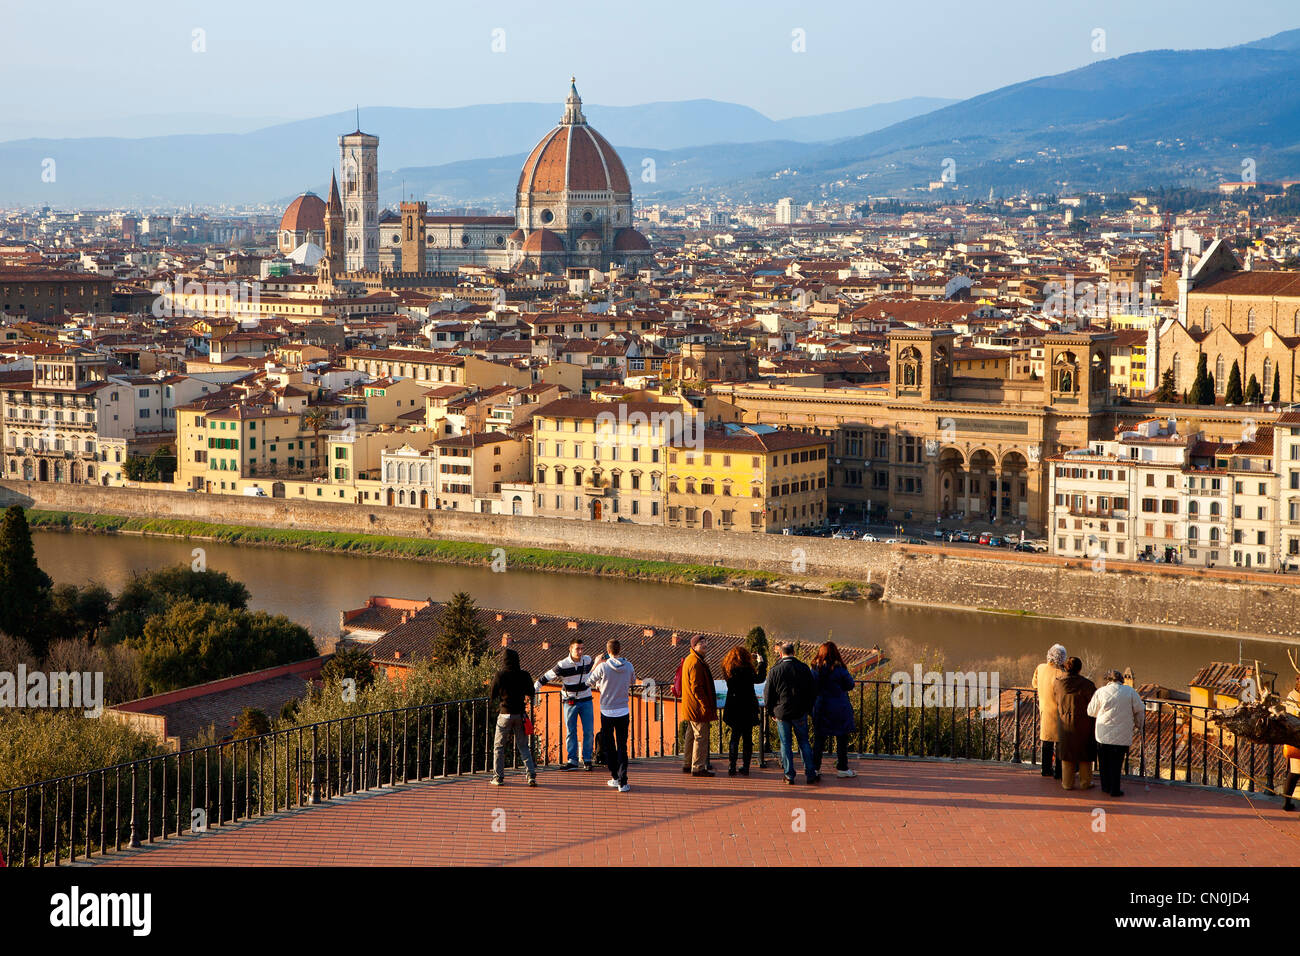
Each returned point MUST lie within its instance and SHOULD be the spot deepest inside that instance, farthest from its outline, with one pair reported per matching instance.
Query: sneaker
(497, 783)
(744, 771)
(567, 766)
(845, 773)
(586, 766)
(624, 788)
(789, 780)
(532, 781)
(611, 782)
(703, 773)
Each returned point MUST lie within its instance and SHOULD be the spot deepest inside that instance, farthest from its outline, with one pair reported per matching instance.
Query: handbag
(528, 726)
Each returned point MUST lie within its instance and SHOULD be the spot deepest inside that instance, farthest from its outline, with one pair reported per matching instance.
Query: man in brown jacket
(699, 709)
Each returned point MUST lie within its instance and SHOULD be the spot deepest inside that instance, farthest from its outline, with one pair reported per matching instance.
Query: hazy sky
(70, 62)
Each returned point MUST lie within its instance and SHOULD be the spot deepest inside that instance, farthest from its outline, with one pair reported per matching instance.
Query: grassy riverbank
(420, 549)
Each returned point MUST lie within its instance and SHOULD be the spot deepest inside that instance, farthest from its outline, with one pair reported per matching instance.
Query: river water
(313, 587)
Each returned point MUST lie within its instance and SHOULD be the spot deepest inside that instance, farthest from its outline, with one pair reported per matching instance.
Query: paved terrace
(896, 813)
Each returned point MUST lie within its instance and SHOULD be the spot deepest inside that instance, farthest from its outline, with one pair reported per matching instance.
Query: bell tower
(359, 156)
(1076, 368)
(920, 363)
(413, 236)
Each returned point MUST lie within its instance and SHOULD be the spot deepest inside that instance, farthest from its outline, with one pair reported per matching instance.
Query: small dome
(629, 240)
(305, 214)
(516, 236)
(543, 240)
(589, 236)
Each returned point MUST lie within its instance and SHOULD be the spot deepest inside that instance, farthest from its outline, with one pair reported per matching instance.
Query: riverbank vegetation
(442, 551)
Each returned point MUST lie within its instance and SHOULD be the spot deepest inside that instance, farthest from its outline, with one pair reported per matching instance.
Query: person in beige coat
(1049, 729)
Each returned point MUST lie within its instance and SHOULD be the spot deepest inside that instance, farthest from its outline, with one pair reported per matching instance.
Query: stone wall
(1240, 604)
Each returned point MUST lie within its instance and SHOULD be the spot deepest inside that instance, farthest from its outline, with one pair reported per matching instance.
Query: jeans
(1049, 770)
(614, 742)
(511, 725)
(742, 741)
(695, 746)
(1110, 757)
(572, 711)
(841, 750)
(799, 729)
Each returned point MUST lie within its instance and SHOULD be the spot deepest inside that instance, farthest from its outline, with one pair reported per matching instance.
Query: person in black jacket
(512, 686)
(789, 697)
(740, 713)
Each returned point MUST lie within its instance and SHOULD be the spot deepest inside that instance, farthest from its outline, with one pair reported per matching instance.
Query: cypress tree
(1277, 389)
(25, 590)
(460, 631)
(1254, 394)
(1202, 392)
(1234, 396)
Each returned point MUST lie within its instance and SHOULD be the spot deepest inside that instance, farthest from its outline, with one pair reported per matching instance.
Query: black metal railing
(142, 802)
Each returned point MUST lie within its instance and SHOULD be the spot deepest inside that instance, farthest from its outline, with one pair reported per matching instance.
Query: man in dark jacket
(788, 694)
(512, 686)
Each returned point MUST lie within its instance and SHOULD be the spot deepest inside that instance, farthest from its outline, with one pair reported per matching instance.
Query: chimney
(648, 632)
(573, 625)
(500, 617)
(534, 622)
(546, 645)
(397, 655)
(505, 639)
(674, 639)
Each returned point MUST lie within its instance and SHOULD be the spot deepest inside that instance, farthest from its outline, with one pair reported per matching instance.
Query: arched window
(1250, 321)
(1268, 379)
(1220, 380)
(1207, 319)
(1178, 372)
(1295, 323)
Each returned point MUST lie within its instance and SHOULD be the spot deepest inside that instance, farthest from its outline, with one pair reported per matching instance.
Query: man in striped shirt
(571, 672)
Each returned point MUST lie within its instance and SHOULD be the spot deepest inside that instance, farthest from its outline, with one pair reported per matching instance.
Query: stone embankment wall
(1223, 602)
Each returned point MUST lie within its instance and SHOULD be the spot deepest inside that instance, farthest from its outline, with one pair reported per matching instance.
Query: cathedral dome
(543, 240)
(573, 157)
(305, 214)
(629, 240)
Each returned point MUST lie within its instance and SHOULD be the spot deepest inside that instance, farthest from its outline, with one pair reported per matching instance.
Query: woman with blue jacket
(832, 710)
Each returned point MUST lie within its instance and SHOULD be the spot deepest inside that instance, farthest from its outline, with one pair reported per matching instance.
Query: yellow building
(224, 446)
(750, 479)
(604, 461)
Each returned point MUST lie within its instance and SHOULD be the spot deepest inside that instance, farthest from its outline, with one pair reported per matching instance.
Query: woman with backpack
(832, 709)
(740, 711)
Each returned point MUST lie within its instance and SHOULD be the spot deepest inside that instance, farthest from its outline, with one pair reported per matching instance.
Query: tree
(153, 593)
(251, 723)
(80, 612)
(460, 633)
(1202, 392)
(349, 663)
(1277, 390)
(1234, 396)
(315, 418)
(24, 588)
(1254, 394)
(1167, 392)
(756, 642)
(195, 641)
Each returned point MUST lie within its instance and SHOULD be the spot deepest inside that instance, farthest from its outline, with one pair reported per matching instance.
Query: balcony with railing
(153, 801)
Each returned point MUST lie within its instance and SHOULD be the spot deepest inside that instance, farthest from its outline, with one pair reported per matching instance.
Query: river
(313, 587)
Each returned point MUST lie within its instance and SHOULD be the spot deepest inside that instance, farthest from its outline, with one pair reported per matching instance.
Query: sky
(70, 67)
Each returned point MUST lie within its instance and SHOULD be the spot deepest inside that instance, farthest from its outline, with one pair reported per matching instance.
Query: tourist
(512, 686)
(1120, 713)
(612, 677)
(1077, 748)
(1049, 730)
(832, 710)
(571, 672)
(740, 713)
(699, 709)
(1292, 754)
(789, 697)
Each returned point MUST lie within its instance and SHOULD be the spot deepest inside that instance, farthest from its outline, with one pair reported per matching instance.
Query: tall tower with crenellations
(359, 159)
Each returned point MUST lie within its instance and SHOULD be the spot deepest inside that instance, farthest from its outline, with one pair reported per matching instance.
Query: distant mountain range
(284, 159)
(1175, 117)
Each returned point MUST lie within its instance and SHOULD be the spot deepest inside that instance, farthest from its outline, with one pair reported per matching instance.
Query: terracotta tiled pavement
(895, 813)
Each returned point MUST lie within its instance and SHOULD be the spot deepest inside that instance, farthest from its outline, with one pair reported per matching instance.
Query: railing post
(1015, 737)
(315, 797)
(134, 841)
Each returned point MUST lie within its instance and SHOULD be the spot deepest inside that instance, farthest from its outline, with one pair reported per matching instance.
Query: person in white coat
(1120, 712)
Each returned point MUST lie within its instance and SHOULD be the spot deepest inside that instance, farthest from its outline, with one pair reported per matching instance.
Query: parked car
(891, 541)
(843, 534)
(1026, 547)
(914, 541)
(995, 541)
(984, 538)
(961, 536)
(940, 534)
(868, 536)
